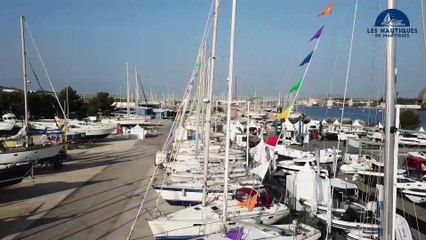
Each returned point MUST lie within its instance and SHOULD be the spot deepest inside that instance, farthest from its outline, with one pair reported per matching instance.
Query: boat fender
(184, 192)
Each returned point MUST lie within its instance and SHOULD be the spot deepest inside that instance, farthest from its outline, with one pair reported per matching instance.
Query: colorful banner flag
(327, 10)
(297, 86)
(317, 34)
(285, 113)
(250, 203)
(307, 59)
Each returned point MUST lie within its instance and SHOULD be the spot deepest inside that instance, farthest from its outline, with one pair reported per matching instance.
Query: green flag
(296, 86)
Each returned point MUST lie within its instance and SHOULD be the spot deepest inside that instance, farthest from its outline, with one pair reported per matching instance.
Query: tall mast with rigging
(24, 76)
(128, 90)
(210, 100)
(390, 167)
(228, 115)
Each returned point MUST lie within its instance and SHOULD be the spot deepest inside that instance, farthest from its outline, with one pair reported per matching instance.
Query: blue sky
(88, 42)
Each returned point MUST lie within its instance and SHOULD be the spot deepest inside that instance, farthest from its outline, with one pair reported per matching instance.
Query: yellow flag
(285, 113)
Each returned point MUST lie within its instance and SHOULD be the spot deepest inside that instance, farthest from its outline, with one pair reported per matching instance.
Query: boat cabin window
(214, 208)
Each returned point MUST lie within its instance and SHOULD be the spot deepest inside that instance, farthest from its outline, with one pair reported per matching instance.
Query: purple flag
(307, 59)
(235, 234)
(317, 34)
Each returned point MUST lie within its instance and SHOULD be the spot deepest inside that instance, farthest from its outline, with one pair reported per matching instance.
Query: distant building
(8, 90)
(350, 102)
(330, 102)
(422, 96)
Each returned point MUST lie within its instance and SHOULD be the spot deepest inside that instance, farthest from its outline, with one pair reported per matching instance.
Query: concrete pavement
(94, 197)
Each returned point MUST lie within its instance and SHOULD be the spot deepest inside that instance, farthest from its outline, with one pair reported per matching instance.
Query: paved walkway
(94, 197)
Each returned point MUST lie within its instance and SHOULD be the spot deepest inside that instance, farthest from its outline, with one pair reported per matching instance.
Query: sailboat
(16, 156)
(249, 204)
(388, 21)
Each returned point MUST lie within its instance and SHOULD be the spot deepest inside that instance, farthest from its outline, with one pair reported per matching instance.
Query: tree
(100, 103)
(409, 119)
(12, 102)
(75, 102)
(42, 105)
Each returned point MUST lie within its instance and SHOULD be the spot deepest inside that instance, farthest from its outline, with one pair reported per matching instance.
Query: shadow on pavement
(17, 192)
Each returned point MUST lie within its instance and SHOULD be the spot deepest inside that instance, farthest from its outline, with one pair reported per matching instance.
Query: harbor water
(368, 115)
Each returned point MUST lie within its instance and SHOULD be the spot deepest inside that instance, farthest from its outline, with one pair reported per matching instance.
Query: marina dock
(94, 196)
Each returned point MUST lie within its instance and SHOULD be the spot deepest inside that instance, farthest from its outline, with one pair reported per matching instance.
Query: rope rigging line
(45, 70)
(35, 76)
(186, 95)
(348, 69)
(142, 88)
(339, 43)
(41, 88)
(422, 8)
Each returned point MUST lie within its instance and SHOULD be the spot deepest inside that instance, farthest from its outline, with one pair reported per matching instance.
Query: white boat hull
(207, 220)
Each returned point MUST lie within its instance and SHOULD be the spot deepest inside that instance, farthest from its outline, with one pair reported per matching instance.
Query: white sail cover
(22, 133)
(262, 154)
(402, 229)
(304, 184)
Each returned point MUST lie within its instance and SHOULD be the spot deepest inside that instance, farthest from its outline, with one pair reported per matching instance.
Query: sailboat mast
(136, 89)
(209, 100)
(389, 168)
(24, 75)
(228, 115)
(68, 103)
(248, 135)
(199, 98)
(128, 90)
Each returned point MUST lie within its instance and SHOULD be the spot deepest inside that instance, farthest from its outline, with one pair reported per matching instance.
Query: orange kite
(327, 10)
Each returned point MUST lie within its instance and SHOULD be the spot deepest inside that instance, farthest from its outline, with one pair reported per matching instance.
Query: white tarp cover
(262, 154)
(308, 186)
(342, 184)
(138, 131)
(304, 184)
(402, 229)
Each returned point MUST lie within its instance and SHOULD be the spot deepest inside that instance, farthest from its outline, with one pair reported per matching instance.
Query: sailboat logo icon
(392, 23)
(393, 18)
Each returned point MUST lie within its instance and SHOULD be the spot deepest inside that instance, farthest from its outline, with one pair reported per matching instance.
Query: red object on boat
(253, 198)
(314, 135)
(415, 163)
(273, 140)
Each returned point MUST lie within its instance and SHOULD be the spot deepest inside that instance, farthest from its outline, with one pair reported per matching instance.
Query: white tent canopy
(420, 129)
(356, 123)
(336, 122)
(379, 125)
